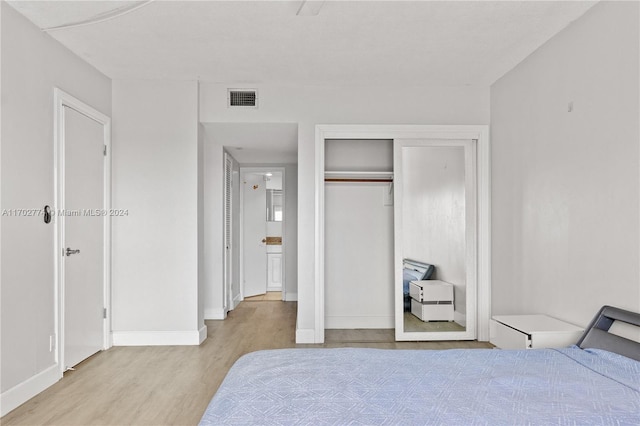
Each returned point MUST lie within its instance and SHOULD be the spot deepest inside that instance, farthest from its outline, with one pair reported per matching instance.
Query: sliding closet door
(435, 224)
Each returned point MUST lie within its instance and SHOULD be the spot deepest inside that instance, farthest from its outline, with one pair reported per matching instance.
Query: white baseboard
(158, 338)
(215, 314)
(340, 322)
(202, 334)
(279, 288)
(236, 301)
(291, 297)
(460, 319)
(305, 335)
(21, 393)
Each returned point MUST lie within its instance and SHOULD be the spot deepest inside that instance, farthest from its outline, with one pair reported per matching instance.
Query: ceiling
(254, 143)
(343, 43)
(417, 43)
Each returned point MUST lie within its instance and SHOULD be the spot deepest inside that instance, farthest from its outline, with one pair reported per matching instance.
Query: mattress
(450, 387)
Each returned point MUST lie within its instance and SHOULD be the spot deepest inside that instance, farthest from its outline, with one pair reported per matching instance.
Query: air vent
(242, 98)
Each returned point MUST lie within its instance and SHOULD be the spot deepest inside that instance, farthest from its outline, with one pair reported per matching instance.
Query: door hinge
(104, 151)
(104, 313)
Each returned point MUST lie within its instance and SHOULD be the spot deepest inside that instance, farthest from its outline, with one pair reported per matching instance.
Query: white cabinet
(274, 271)
(431, 291)
(532, 332)
(431, 300)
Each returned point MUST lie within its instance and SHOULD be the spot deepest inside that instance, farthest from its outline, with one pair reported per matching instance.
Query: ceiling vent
(242, 98)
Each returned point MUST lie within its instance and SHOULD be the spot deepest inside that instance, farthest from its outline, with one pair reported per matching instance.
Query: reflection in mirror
(274, 205)
(433, 223)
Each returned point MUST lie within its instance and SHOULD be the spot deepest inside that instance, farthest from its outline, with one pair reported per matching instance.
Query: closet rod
(358, 176)
(358, 173)
(356, 180)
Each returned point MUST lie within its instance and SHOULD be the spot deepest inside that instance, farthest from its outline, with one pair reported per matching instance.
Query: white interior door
(274, 271)
(254, 228)
(83, 238)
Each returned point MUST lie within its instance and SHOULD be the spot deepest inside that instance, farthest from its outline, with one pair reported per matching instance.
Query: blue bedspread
(450, 387)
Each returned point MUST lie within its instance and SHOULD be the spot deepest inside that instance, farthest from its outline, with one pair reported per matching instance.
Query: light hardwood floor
(172, 385)
(270, 295)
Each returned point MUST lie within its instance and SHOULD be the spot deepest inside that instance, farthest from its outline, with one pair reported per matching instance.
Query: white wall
(358, 155)
(565, 196)
(202, 284)
(32, 65)
(275, 181)
(358, 256)
(290, 240)
(311, 105)
(214, 226)
(155, 248)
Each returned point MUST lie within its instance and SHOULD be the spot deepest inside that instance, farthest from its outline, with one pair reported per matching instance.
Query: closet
(392, 193)
(359, 271)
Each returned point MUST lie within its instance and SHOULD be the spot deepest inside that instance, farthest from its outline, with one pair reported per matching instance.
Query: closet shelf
(357, 176)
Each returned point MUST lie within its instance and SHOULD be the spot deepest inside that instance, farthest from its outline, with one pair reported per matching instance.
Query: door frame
(228, 225)
(63, 99)
(409, 131)
(244, 170)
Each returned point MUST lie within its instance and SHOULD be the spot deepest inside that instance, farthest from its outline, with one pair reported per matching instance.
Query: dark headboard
(597, 335)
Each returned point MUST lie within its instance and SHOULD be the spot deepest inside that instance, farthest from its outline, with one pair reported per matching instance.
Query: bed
(596, 381)
(413, 270)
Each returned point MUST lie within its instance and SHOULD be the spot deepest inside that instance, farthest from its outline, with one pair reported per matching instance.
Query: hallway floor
(268, 296)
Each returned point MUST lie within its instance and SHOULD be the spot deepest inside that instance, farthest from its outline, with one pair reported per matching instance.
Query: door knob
(69, 251)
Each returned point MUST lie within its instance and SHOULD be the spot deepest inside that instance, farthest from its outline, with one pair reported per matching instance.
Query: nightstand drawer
(506, 337)
(532, 332)
(430, 311)
(431, 291)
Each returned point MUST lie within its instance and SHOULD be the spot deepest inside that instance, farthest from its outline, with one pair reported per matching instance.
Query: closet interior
(359, 272)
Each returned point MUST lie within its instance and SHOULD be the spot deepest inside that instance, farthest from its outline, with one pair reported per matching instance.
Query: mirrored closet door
(435, 229)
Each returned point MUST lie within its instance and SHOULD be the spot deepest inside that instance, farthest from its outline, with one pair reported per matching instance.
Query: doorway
(262, 205)
(82, 216)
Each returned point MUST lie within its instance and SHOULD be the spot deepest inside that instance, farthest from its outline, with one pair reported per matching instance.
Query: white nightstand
(532, 332)
(432, 300)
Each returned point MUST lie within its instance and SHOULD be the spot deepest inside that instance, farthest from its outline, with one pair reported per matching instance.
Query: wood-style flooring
(172, 385)
(270, 295)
